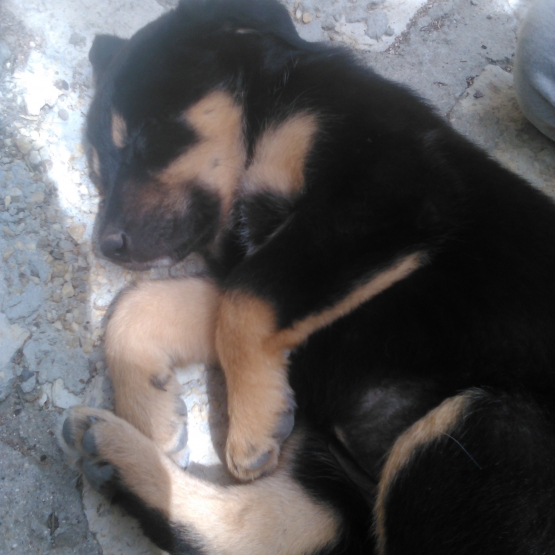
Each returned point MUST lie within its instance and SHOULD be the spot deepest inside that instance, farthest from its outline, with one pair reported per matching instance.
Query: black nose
(114, 245)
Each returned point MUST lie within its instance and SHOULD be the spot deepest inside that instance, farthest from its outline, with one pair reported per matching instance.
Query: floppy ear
(102, 52)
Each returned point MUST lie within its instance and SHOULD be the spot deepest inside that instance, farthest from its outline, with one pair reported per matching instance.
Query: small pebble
(23, 144)
(67, 291)
(37, 198)
(307, 18)
(63, 114)
(34, 158)
(77, 40)
(76, 231)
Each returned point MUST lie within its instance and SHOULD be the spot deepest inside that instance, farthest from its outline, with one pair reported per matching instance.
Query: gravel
(55, 291)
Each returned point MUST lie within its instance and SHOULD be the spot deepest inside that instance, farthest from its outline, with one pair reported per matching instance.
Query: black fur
(385, 178)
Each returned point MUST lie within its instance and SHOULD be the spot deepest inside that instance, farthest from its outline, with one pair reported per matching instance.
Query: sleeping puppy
(381, 301)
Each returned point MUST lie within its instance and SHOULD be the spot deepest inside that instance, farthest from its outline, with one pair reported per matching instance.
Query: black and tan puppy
(376, 277)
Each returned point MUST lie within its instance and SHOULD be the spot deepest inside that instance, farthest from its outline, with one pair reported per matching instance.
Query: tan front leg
(253, 354)
(157, 326)
(260, 402)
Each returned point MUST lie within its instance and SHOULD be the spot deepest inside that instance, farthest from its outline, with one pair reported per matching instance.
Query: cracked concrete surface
(54, 291)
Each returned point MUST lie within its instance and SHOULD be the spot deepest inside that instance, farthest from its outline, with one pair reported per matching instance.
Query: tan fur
(95, 162)
(272, 516)
(301, 330)
(252, 352)
(119, 130)
(436, 423)
(217, 160)
(156, 326)
(256, 381)
(279, 159)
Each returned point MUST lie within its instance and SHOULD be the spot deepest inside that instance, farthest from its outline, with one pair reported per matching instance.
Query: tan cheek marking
(95, 162)
(218, 158)
(436, 423)
(280, 156)
(119, 130)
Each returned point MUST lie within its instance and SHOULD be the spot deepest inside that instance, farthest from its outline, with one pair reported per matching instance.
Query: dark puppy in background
(382, 301)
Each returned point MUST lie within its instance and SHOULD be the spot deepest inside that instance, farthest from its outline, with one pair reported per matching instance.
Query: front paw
(254, 440)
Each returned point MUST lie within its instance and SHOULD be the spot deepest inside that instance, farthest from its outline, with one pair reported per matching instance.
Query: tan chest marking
(280, 156)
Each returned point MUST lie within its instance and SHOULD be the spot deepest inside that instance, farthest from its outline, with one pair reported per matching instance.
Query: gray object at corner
(534, 70)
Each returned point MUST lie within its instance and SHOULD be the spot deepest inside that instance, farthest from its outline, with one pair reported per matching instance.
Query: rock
(5, 52)
(307, 18)
(12, 338)
(63, 114)
(440, 9)
(28, 385)
(23, 144)
(62, 85)
(16, 194)
(37, 198)
(26, 374)
(77, 40)
(312, 32)
(67, 291)
(37, 96)
(354, 12)
(61, 397)
(76, 231)
(34, 158)
(6, 384)
(25, 304)
(376, 25)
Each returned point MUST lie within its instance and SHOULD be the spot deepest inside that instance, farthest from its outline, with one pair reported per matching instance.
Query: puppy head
(166, 126)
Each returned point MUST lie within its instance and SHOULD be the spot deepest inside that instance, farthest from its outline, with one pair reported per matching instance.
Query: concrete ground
(54, 291)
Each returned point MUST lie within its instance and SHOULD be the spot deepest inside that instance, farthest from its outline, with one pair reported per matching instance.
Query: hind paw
(108, 450)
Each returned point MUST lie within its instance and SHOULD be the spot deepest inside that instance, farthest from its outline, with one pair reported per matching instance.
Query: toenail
(181, 408)
(182, 441)
(67, 433)
(261, 461)
(89, 444)
(285, 426)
